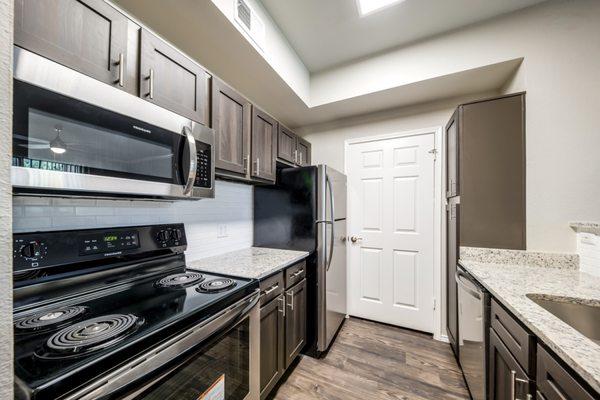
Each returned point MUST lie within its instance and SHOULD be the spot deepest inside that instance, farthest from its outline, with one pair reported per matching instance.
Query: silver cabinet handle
(151, 84)
(257, 166)
(291, 303)
(300, 158)
(298, 273)
(271, 289)
(121, 64)
(246, 161)
(296, 156)
(513, 385)
(281, 301)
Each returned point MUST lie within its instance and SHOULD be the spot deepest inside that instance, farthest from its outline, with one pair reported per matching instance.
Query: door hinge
(434, 152)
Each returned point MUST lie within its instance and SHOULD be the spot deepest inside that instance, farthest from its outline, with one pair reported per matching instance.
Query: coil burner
(91, 335)
(216, 285)
(180, 280)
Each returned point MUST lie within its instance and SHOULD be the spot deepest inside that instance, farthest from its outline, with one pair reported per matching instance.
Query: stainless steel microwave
(76, 136)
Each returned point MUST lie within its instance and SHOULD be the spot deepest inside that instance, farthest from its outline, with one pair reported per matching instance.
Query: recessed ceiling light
(368, 6)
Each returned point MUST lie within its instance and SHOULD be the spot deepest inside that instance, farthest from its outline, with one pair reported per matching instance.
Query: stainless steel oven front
(76, 136)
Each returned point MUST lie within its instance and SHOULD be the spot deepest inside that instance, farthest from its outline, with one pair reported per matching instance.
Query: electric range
(115, 313)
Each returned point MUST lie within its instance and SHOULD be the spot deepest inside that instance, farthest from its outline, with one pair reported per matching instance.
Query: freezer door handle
(331, 232)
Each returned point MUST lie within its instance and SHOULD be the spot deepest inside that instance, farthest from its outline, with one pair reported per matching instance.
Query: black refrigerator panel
(285, 213)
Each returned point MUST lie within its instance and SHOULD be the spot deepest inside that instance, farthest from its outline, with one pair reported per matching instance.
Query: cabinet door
(451, 289)
(85, 35)
(452, 146)
(171, 80)
(231, 120)
(295, 321)
(303, 152)
(286, 145)
(507, 380)
(264, 145)
(556, 383)
(271, 344)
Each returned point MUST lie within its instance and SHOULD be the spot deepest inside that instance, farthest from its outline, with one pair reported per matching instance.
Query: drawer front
(271, 287)
(555, 382)
(518, 341)
(295, 274)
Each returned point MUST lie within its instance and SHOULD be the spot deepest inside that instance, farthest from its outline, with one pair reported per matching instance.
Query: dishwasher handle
(460, 278)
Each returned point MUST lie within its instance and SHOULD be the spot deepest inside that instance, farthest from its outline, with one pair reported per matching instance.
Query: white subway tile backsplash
(232, 207)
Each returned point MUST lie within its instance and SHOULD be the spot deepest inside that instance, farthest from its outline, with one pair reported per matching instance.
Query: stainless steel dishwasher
(473, 333)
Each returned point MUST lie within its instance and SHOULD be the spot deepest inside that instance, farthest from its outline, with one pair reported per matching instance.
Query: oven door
(73, 135)
(217, 359)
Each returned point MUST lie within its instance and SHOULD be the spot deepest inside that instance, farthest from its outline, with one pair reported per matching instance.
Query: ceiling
(331, 32)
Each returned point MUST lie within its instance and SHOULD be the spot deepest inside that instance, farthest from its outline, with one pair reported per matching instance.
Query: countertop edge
(558, 350)
(281, 267)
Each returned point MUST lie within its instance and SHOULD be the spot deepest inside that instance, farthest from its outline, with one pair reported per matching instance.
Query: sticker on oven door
(216, 391)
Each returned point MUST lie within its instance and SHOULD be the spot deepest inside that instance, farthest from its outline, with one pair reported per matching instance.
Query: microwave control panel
(203, 166)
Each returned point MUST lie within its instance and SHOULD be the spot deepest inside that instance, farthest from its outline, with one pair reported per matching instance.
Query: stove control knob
(31, 250)
(162, 236)
(176, 234)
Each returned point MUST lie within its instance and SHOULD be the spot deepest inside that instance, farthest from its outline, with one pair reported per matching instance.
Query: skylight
(369, 6)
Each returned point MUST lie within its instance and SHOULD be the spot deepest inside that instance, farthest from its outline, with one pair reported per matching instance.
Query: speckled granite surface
(586, 227)
(253, 262)
(511, 283)
(520, 257)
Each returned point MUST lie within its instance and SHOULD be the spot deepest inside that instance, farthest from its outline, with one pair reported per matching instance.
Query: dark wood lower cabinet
(272, 338)
(507, 380)
(555, 382)
(295, 321)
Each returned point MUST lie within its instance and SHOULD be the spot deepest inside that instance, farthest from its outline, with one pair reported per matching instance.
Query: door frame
(439, 224)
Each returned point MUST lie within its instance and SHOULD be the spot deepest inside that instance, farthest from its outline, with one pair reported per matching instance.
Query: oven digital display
(113, 242)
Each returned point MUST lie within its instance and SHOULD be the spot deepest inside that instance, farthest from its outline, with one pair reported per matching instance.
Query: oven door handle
(168, 351)
(191, 148)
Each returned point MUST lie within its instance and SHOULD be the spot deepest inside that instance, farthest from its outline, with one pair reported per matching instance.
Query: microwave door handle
(191, 175)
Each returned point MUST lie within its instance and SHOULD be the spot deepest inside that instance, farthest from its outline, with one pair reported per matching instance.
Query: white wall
(277, 50)
(560, 44)
(6, 331)
(232, 207)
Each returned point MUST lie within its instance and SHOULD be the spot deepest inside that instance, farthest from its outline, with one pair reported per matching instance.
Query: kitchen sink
(584, 318)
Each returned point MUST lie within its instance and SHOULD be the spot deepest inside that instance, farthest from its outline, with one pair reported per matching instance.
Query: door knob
(355, 239)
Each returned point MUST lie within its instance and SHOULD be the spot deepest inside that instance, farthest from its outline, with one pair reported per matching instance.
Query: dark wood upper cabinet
(303, 148)
(295, 321)
(88, 36)
(555, 382)
(286, 145)
(231, 120)
(486, 168)
(271, 344)
(264, 145)
(171, 80)
(505, 373)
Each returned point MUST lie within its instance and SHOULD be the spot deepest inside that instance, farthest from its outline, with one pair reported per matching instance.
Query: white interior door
(391, 216)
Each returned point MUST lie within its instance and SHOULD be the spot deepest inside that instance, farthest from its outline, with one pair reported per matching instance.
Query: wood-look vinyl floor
(375, 361)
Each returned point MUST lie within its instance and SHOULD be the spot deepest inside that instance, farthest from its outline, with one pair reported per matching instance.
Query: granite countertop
(510, 283)
(253, 262)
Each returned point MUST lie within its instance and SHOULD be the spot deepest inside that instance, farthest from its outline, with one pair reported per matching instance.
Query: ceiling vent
(247, 18)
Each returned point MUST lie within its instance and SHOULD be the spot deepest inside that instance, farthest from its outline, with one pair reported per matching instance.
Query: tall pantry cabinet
(485, 184)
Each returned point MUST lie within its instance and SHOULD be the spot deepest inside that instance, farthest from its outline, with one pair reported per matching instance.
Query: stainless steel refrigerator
(306, 210)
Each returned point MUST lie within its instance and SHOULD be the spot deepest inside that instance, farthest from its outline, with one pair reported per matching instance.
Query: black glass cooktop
(72, 341)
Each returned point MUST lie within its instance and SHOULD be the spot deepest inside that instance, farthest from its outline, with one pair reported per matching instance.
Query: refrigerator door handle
(332, 234)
